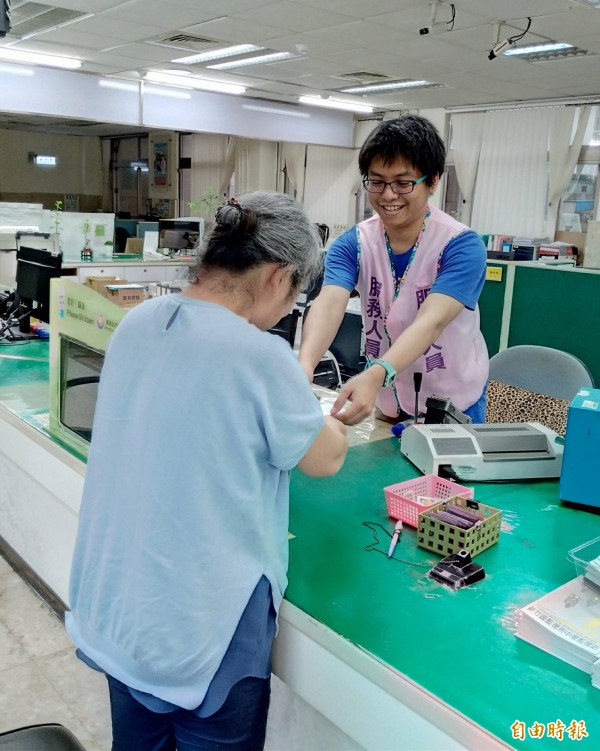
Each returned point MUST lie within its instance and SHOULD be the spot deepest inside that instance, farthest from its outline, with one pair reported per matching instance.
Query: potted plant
(58, 207)
(86, 251)
(205, 207)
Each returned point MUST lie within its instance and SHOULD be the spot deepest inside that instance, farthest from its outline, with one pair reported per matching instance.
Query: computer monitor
(35, 268)
(180, 234)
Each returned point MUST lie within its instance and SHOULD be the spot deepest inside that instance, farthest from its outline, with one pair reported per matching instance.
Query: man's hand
(361, 391)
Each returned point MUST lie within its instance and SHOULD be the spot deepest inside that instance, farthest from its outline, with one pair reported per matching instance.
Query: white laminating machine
(485, 452)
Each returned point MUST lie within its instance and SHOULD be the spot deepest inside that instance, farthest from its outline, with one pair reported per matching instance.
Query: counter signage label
(493, 273)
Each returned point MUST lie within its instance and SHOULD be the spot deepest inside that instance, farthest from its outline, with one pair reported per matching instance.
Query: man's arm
(321, 326)
(361, 391)
(327, 452)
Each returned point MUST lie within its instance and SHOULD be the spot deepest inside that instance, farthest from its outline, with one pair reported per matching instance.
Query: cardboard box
(134, 245)
(98, 283)
(125, 295)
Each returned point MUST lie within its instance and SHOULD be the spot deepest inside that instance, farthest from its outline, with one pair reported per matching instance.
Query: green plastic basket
(444, 539)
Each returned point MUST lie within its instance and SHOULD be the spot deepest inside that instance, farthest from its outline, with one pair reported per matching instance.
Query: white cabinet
(144, 274)
(109, 270)
(138, 273)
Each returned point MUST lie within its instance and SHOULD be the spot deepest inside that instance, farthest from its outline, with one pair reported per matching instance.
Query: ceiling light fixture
(37, 58)
(273, 57)
(538, 53)
(186, 81)
(392, 86)
(336, 104)
(204, 57)
(543, 47)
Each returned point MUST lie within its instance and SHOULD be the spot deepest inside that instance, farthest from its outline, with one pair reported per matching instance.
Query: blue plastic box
(579, 474)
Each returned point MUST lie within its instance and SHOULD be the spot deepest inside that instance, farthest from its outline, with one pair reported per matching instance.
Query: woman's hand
(361, 391)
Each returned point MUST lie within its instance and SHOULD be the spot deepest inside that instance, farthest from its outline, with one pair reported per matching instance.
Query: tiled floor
(41, 680)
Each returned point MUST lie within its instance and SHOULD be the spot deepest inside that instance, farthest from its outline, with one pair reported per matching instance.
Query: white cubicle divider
(72, 234)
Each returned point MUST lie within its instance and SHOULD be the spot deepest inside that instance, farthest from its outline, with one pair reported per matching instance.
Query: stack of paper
(566, 623)
(592, 571)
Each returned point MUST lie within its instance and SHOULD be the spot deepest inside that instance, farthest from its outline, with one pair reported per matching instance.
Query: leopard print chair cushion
(513, 404)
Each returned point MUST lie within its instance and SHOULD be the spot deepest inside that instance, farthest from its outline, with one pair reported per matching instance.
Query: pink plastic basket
(403, 498)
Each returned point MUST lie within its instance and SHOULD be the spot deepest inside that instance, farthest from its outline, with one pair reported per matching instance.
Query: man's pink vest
(456, 365)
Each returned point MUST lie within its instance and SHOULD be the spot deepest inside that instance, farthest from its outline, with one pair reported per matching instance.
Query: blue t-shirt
(461, 274)
(200, 416)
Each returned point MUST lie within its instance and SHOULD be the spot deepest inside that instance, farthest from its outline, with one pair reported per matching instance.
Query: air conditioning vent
(31, 18)
(181, 41)
(362, 76)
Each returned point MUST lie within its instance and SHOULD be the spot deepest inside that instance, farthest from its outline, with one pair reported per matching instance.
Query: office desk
(393, 659)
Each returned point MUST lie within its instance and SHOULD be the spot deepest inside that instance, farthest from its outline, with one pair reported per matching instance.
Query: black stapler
(457, 570)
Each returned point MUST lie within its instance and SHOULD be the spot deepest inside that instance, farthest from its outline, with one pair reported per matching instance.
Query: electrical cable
(450, 23)
(516, 38)
(372, 547)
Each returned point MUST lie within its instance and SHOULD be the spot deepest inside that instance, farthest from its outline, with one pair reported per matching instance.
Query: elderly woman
(180, 562)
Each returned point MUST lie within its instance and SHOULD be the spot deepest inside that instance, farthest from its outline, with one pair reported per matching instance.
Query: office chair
(47, 737)
(347, 346)
(287, 327)
(541, 369)
(121, 237)
(530, 383)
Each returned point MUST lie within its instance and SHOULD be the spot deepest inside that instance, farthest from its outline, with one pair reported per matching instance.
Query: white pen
(395, 538)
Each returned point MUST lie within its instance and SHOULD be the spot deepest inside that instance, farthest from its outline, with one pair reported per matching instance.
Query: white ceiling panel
(312, 46)
(359, 33)
(217, 8)
(86, 6)
(511, 9)
(564, 26)
(336, 37)
(153, 13)
(236, 31)
(104, 27)
(294, 17)
(360, 8)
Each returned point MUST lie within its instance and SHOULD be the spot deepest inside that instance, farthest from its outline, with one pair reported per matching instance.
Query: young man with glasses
(419, 273)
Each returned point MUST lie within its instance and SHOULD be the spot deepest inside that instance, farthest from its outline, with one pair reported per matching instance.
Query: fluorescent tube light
(371, 88)
(533, 49)
(37, 58)
(187, 81)
(204, 57)
(160, 90)
(336, 104)
(273, 57)
(274, 111)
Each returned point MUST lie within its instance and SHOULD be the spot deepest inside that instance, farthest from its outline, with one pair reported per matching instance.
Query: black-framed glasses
(399, 187)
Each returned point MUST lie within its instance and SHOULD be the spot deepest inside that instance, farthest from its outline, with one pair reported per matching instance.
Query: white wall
(78, 170)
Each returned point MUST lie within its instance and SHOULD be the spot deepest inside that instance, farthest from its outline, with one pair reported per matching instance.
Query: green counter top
(459, 646)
